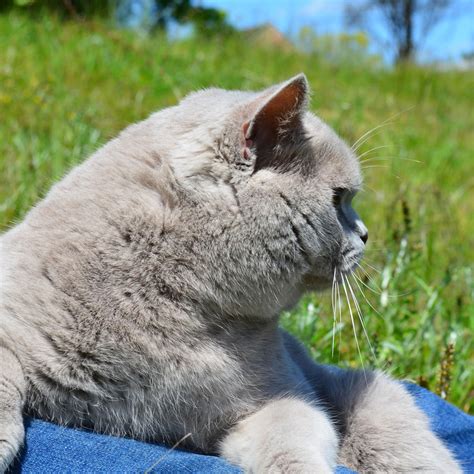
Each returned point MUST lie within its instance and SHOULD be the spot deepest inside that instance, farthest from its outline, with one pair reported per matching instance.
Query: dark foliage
(73, 9)
(205, 19)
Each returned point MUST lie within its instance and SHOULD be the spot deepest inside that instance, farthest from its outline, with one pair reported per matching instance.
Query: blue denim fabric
(52, 449)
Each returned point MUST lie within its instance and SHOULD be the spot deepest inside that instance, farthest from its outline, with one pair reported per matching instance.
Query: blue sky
(447, 41)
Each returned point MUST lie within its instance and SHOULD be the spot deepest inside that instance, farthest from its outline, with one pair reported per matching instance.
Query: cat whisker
(372, 133)
(396, 176)
(340, 316)
(366, 188)
(370, 277)
(360, 141)
(361, 319)
(372, 267)
(365, 297)
(333, 301)
(160, 459)
(387, 158)
(380, 292)
(373, 166)
(389, 295)
(371, 150)
(352, 321)
(367, 286)
(377, 158)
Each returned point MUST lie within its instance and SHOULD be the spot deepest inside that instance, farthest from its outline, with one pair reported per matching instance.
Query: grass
(66, 88)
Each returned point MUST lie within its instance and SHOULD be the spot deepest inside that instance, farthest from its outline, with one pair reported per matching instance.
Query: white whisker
(378, 293)
(369, 276)
(370, 134)
(365, 297)
(333, 301)
(366, 188)
(358, 143)
(373, 166)
(340, 317)
(352, 321)
(389, 295)
(372, 267)
(160, 459)
(387, 158)
(371, 150)
(361, 319)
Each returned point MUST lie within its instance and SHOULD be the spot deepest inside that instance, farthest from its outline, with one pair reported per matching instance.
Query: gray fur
(141, 296)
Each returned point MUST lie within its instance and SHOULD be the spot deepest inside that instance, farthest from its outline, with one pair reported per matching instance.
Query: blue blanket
(52, 449)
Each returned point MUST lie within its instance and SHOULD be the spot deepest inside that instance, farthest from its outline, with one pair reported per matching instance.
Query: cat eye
(338, 194)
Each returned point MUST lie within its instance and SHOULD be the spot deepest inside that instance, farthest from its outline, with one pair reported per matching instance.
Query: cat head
(265, 190)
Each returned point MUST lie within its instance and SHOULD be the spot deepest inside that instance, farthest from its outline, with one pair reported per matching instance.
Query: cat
(141, 297)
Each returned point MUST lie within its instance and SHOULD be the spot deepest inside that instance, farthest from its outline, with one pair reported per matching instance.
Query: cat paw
(285, 436)
(11, 439)
(387, 432)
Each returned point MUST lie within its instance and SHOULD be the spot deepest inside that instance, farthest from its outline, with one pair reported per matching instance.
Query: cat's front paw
(285, 436)
(387, 432)
(11, 439)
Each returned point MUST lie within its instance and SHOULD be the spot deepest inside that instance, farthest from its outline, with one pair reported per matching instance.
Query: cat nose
(364, 237)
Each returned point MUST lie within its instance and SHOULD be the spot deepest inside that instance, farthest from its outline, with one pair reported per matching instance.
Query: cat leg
(12, 394)
(387, 432)
(285, 436)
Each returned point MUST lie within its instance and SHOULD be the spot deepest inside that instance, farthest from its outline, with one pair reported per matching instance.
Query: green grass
(67, 88)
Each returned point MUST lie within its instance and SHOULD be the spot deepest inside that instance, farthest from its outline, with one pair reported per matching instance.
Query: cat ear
(278, 111)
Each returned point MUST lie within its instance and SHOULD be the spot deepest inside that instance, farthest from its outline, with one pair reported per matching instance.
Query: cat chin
(316, 283)
(321, 283)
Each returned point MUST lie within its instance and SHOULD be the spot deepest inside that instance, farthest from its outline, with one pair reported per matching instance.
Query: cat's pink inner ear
(278, 107)
(245, 128)
(248, 141)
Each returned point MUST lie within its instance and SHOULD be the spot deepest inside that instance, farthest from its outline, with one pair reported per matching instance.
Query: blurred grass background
(68, 87)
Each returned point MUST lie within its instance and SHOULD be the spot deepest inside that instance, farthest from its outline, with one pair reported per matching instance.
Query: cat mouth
(345, 265)
(350, 261)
